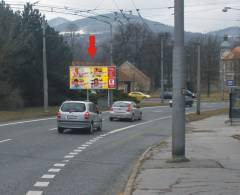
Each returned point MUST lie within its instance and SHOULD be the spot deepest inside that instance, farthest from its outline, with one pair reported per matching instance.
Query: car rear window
(120, 104)
(73, 107)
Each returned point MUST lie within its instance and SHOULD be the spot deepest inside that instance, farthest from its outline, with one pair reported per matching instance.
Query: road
(35, 159)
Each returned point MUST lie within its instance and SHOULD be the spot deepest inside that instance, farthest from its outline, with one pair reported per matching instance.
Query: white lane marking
(128, 127)
(157, 111)
(73, 153)
(54, 170)
(48, 176)
(85, 145)
(81, 148)
(65, 161)
(5, 140)
(53, 129)
(88, 143)
(77, 150)
(41, 184)
(29, 121)
(59, 165)
(34, 193)
(68, 156)
(151, 107)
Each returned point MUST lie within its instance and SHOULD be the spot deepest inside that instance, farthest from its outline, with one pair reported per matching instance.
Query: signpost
(230, 83)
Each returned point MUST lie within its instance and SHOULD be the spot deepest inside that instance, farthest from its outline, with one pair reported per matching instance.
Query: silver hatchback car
(125, 110)
(79, 115)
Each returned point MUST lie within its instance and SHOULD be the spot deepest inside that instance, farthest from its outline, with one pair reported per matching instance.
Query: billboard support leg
(87, 95)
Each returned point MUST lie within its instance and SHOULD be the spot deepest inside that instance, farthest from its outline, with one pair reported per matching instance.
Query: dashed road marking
(68, 156)
(5, 140)
(65, 160)
(59, 165)
(54, 170)
(81, 148)
(77, 150)
(73, 153)
(41, 184)
(34, 193)
(48, 176)
(85, 145)
(53, 129)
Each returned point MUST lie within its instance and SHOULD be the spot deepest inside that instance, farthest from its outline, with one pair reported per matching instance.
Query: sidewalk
(214, 166)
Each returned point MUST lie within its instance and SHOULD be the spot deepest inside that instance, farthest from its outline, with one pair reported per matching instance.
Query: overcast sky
(200, 15)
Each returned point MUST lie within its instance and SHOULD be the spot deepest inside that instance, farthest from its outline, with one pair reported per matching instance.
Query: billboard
(92, 77)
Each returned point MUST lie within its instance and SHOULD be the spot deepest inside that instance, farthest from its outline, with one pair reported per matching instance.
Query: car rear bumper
(120, 115)
(73, 124)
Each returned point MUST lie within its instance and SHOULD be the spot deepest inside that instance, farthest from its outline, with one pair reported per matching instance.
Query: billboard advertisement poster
(92, 77)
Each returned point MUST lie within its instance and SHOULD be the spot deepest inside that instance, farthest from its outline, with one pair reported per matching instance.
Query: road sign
(230, 83)
(92, 77)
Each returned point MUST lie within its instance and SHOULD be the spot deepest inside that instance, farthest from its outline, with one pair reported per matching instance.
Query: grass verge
(27, 113)
(205, 114)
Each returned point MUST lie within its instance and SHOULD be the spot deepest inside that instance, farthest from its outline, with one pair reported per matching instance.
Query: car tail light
(86, 115)
(129, 108)
(58, 115)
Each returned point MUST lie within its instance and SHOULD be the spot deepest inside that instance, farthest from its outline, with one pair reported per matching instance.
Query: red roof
(234, 54)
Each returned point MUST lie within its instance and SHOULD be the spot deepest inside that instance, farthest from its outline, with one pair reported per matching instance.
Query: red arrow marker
(92, 50)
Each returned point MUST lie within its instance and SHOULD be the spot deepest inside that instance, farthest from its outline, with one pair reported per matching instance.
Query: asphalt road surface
(35, 159)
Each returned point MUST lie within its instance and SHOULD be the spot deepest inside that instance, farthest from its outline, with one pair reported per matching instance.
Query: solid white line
(53, 129)
(128, 127)
(59, 165)
(34, 193)
(5, 140)
(68, 156)
(48, 176)
(30, 121)
(41, 184)
(54, 170)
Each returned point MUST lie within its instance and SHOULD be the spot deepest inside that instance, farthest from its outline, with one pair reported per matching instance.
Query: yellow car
(139, 95)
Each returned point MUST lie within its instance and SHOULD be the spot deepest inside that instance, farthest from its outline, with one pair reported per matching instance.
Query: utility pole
(110, 92)
(45, 79)
(199, 80)
(162, 81)
(178, 116)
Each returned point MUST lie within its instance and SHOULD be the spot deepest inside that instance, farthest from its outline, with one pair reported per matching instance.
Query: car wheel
(90, 129)
(60, 130)
(100, 126)
(140, 117)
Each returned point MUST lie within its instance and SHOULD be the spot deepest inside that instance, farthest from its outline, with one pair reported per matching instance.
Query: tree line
(21, 41)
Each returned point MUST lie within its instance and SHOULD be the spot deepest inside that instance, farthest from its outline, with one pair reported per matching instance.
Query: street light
(225, 9)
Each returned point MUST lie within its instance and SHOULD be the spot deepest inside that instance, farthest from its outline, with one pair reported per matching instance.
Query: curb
(136, 168)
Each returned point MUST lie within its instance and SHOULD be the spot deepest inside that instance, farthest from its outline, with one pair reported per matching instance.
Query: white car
(125, 110)
(79, 115)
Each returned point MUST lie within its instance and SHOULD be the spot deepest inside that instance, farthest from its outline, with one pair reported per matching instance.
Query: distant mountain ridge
(89, 25)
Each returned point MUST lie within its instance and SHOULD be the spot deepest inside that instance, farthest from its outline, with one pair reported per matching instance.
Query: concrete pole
(199, 80)
(162, 80)
(45, 79)
(178, 112)
(87, 94)
(222, 76)
(110, 92)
